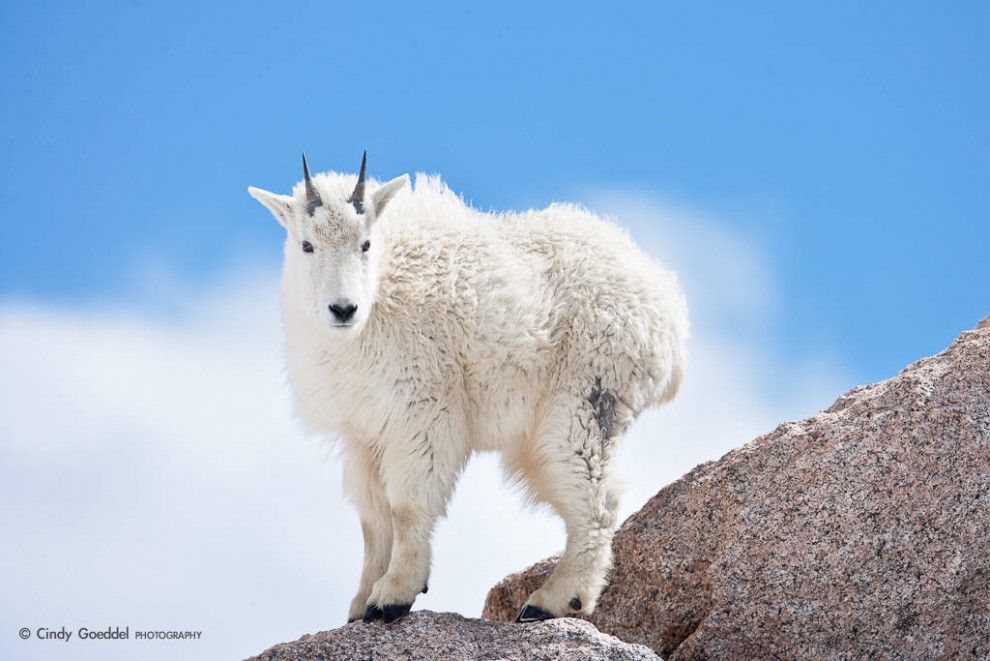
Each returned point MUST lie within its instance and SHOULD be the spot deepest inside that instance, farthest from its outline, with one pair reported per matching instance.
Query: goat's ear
(384, 194)
(279, 205)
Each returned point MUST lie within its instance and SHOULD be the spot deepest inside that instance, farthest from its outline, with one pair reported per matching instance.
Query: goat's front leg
(363, 485)
(419, 477)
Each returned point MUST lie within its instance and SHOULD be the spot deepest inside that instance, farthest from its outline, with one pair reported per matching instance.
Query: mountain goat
(432, 331)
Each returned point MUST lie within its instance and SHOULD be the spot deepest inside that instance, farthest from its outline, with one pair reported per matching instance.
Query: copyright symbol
(24, 633)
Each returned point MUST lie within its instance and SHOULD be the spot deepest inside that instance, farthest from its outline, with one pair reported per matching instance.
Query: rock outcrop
(861, 532)
(429, 636)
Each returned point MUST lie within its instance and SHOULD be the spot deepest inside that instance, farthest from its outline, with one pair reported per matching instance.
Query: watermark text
(64, 634)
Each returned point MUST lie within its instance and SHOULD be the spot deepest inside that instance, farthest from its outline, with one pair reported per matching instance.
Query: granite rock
(860, 532)
(427, 635)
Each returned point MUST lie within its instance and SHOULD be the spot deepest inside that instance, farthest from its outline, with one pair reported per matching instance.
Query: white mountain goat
(432, 331)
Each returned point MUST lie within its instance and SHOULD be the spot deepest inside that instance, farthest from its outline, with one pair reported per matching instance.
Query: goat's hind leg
(570, 468)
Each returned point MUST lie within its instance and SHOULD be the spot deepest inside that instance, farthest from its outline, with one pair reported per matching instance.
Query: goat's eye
(307, 246)
(365, 246)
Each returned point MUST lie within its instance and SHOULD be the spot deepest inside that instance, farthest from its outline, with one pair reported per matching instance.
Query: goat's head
(331, 247)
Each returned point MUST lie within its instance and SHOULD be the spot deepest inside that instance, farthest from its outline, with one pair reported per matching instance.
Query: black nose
(342, 312)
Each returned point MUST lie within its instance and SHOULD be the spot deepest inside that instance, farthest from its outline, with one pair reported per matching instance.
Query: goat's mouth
(348, 326)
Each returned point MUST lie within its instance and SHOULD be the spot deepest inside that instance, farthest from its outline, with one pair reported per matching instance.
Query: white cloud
(152, 476)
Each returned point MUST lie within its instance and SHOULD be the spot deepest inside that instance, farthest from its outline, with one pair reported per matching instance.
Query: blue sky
(850, 139)
(817, 174)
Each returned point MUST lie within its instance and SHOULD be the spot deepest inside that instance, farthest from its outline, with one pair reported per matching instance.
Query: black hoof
(426, 588)
(533, 614)
(393, 612)
(373, 613)
(352, 619)
(575, 604)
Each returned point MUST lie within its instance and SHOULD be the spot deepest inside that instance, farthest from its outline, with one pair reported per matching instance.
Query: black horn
(357, 197)
(312, 197)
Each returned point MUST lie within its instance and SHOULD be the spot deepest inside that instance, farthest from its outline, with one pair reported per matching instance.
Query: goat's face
(335, 252)
(332, 249)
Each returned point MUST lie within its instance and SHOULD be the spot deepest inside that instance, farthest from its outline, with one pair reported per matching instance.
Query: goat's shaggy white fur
(541, 335)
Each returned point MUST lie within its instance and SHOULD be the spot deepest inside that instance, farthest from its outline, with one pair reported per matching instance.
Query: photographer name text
(109, 633)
